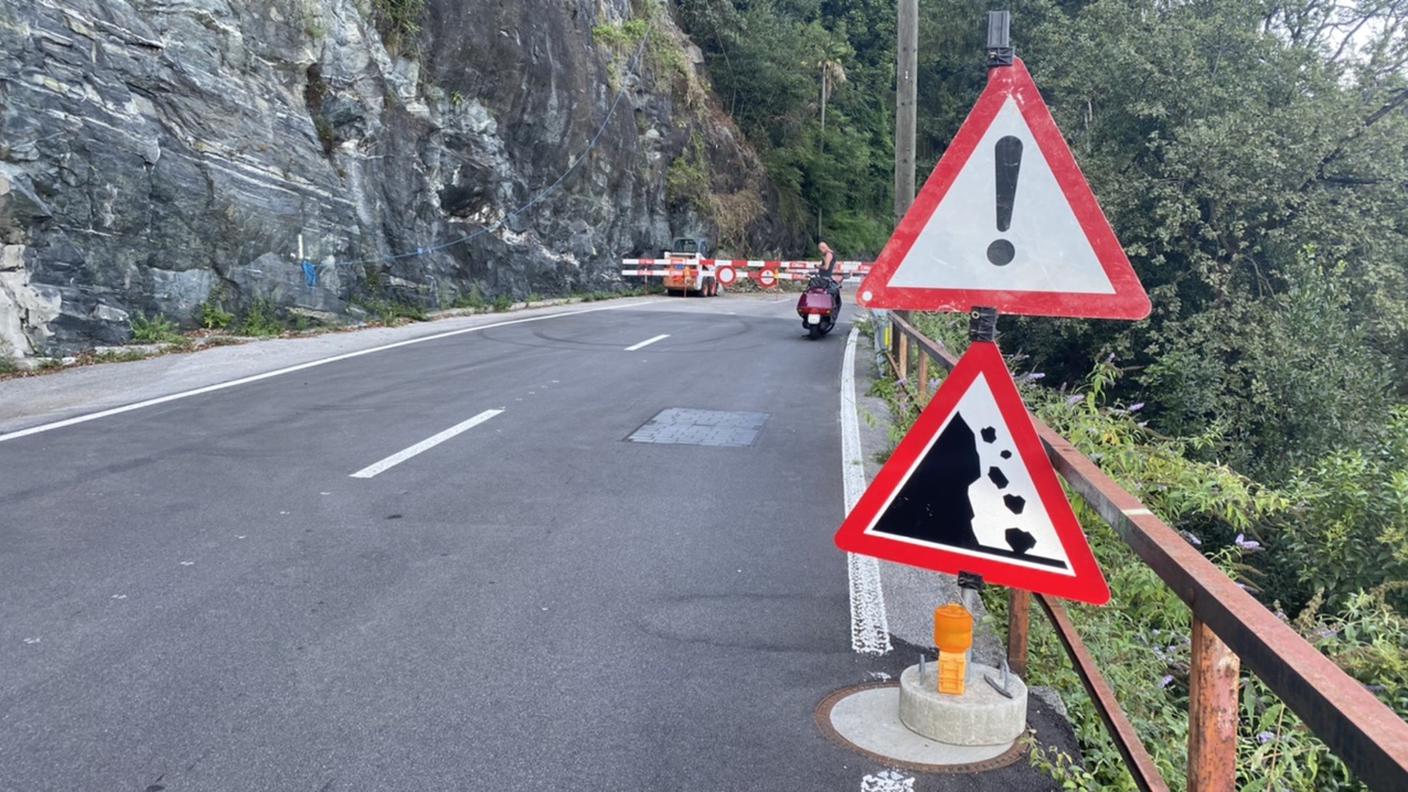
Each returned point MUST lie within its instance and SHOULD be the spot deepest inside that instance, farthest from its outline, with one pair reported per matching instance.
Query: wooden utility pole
(906, 66)
(906, 82)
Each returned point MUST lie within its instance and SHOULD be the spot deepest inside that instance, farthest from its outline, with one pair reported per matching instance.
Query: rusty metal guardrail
(1230, 628)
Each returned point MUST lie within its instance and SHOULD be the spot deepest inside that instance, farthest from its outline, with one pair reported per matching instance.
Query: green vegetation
(398, 21)
(687, 180)
(154, 330)
(1334, 530)
(213, 316)
(391, 312)
(1252, 159)
(261, 320)
(664, 56)
(8, 365)
(767, 60)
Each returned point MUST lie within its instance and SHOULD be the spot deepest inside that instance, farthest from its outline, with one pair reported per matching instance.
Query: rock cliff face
(158, 154)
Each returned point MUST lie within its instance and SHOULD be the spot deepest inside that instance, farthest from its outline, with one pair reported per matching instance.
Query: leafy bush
(154, 330)
(8, 365)
(474, 300)
(213, 316)
(1347, 530)
(261, 319)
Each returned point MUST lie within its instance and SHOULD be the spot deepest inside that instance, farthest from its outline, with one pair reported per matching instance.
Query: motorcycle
(819, 306)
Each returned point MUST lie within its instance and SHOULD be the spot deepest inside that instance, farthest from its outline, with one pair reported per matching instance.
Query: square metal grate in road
(684, 426)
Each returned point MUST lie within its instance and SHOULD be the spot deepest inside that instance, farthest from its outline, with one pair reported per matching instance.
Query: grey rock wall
(155, 154)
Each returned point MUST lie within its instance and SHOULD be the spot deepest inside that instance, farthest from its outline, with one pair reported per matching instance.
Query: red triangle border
(1086, 583)
(1129, 301)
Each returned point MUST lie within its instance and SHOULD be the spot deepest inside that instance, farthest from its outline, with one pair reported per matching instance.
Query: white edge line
(49, 427)
(870, 627)
(425, 445)
(647, 342)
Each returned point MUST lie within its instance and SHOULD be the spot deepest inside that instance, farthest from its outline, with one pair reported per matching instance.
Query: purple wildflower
(1074, 399)
(1136, 407)
(1033, 376)
(1246, 544)
(1193, 540)
(1166, 681)
(1265, 737)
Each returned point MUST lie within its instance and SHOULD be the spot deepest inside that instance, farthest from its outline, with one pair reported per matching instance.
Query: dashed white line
(425, 445)
(870, 627)
(48, 427)
(647, 342)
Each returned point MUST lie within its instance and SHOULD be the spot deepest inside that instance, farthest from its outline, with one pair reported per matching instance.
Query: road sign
(970, 489)
(725, 275)
(766, 277)
(1007, 221)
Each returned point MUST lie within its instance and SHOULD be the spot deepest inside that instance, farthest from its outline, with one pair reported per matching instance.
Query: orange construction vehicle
(689, 270)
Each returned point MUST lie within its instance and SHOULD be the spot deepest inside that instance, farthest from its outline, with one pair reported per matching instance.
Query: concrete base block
(981, 716)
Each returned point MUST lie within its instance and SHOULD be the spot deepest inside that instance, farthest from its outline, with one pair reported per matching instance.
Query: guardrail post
(1019, 608)
(902, 356)
(1212, 713)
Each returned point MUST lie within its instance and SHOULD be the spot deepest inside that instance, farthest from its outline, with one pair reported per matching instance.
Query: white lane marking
(647, 342)
(49, 427)
(32, 641)
(424, 445)
(870, 627)
(887, 781)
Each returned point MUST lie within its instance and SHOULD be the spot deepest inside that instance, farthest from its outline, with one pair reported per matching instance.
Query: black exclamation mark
(1009, 163)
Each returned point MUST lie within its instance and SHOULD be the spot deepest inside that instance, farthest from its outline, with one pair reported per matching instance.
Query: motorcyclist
(827, 269)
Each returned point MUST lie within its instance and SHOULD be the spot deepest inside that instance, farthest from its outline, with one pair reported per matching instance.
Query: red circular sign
(767, 278)
(725, 275)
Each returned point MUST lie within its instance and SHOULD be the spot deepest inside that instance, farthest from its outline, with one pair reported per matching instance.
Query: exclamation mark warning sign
(1007, 161)
(1006, 221)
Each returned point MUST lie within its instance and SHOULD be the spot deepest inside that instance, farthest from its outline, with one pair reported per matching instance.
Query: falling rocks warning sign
(970, 489)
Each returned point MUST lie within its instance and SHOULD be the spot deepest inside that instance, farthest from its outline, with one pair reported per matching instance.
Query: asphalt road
(198, 595)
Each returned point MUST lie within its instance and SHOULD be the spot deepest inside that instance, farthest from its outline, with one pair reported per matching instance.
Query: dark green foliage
(1251, 162)
(1339, 525)
(766, 60)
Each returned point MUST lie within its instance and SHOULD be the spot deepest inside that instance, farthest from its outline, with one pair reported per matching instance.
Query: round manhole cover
(866, 718)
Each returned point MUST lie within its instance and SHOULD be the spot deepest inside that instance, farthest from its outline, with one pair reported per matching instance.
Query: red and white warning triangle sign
(970, 489)
(1007, 221)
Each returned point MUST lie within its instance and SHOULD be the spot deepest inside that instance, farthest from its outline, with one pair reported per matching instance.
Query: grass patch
(8, 365)
(390, 312)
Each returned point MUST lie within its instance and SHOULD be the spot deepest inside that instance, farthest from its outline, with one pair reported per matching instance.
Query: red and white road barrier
(848, 267)
(766, 273)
